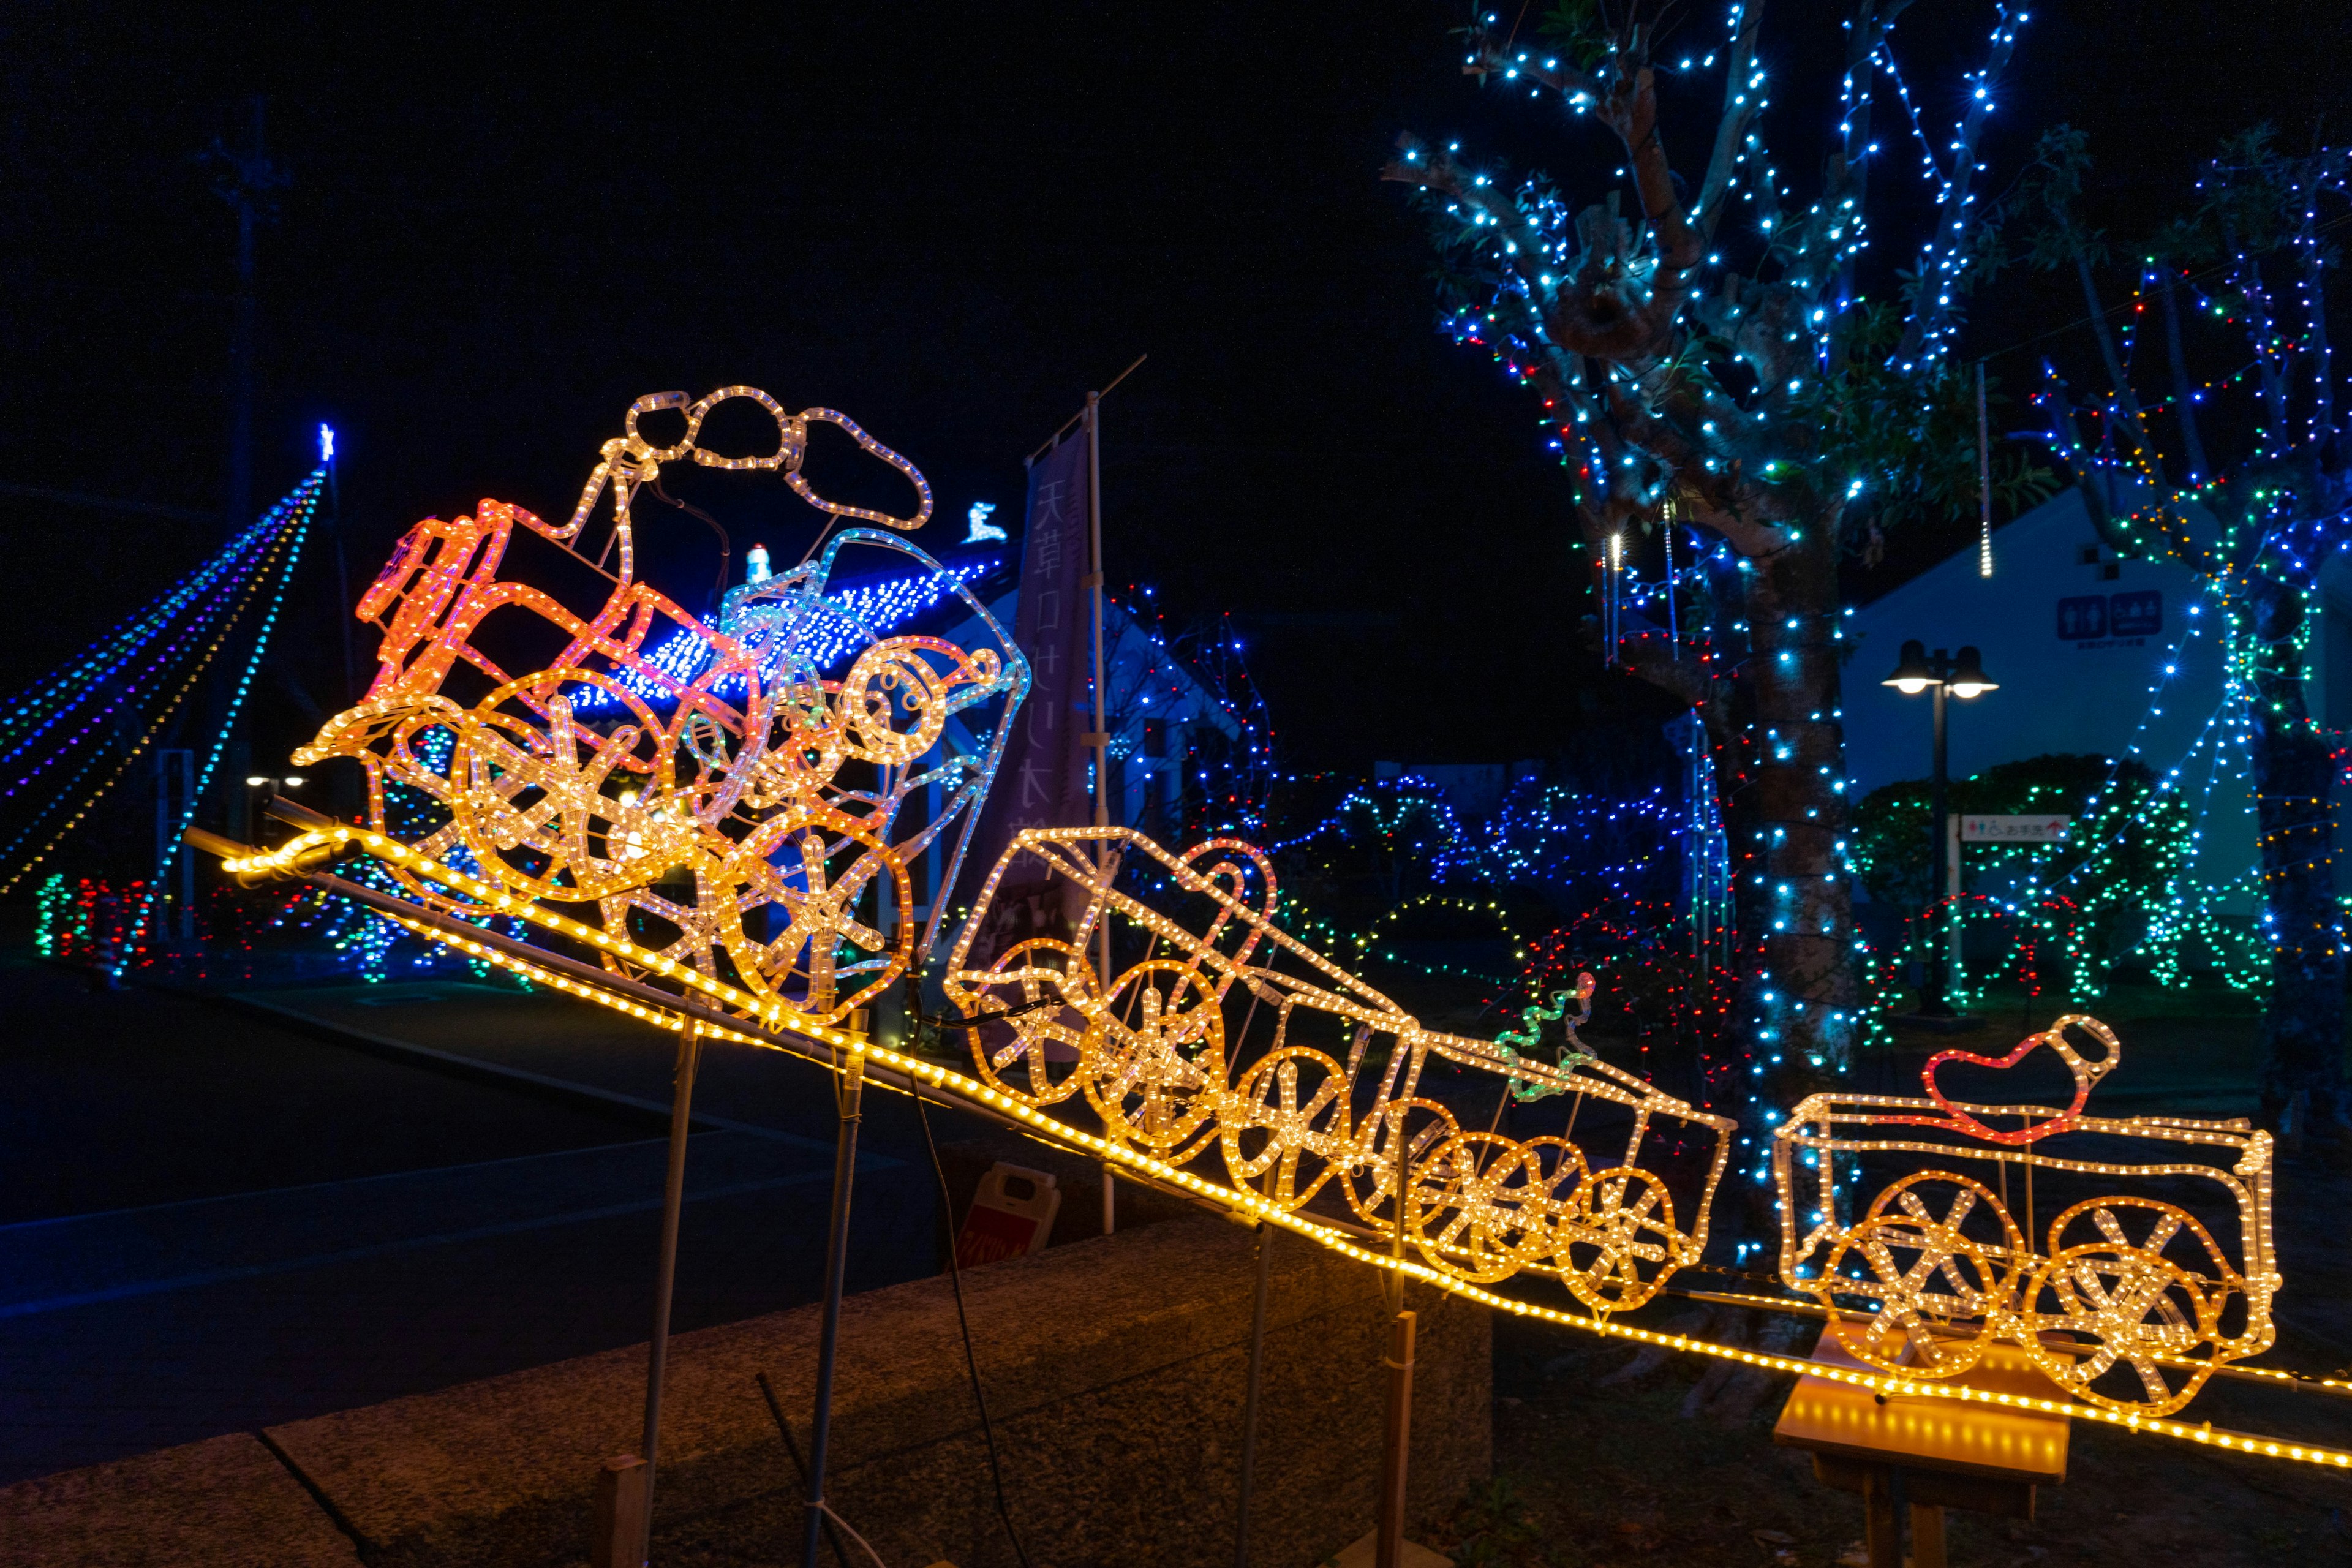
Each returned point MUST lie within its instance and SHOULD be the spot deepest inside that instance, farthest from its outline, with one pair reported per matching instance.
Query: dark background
(504, 224)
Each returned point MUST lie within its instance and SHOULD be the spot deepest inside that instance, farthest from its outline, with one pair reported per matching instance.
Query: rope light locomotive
(747, 821)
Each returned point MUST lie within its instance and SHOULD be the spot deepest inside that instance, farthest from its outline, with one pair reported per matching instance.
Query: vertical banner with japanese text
(1042, 780)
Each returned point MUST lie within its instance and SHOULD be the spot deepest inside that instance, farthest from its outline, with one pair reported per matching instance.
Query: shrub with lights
(2123, 883)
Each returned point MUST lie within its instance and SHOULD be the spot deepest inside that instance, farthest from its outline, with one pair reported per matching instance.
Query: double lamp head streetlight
(1961, 676)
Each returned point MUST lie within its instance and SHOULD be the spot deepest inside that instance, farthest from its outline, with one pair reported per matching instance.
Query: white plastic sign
(2014, 829)
(1010, 1215)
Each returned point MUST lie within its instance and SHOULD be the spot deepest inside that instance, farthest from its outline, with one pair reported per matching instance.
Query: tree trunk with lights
(2256, 538)
(1779, 751)
(2294, 774)
(1749, 398)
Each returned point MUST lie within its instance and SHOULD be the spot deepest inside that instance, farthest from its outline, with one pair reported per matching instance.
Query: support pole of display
(1098, 733)
(1250, 1397)
(850, 1095)
(351, 692)
(681, 1104)
(1388, 1550)
(1951, 891)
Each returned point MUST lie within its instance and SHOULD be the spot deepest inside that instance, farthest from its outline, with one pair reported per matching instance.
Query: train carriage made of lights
(748, 820)
(1158, 1057)
(2131, 1303)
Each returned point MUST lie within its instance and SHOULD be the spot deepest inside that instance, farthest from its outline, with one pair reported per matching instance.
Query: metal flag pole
(1098, 737)
(342, 567)
(850, 1099)
(681, 1103)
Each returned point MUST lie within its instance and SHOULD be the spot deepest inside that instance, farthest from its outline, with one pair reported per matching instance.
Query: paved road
(212, 1220)
(118, 1099)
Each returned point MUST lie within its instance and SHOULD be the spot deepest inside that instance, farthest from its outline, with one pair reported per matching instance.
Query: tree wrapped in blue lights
(1708, 363)
(2256, 519)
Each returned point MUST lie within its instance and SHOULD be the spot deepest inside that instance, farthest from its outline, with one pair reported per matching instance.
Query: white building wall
(2062, 689)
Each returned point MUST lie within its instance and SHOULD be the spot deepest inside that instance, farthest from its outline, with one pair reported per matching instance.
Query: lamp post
(1960, 676)
(259, 788)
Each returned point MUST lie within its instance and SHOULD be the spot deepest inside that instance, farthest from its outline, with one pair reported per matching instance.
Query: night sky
(949, 223)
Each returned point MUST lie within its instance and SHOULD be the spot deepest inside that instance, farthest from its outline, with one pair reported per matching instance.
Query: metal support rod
(342, 584)
(851, 1095)
(1249, 1398)
(1388, 1549)
(1100, 735)
(1935, 1004)
(1392, 1287)
(681, 1104)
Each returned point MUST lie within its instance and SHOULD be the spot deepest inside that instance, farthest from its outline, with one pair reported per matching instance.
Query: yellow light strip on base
(1051, 1130)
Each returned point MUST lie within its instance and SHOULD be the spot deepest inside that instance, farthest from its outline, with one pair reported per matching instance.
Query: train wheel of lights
(814, 866)
(1557, 1166)
(2122, 1307)
(1618, 1241)
(1289, 1114)
(1398, 1133)
(2132, 1279)
(1938, 1201)
(2150, 1225)
(1033, 1054)
(1478, 1206)
(1153, 1054)
(1931, 1285)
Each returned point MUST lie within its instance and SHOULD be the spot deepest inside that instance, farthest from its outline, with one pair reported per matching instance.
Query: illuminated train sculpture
(2131, 1303)
(722, 822)
(755, 830)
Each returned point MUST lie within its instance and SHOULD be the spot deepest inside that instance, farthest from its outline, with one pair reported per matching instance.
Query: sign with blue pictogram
(2108, 618)
(2082, 618)
(2140, 614)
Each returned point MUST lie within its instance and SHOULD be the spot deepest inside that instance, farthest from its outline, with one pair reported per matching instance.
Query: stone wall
(1114, 1368)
